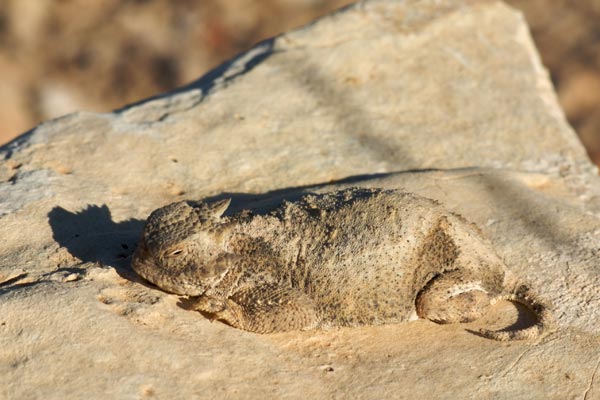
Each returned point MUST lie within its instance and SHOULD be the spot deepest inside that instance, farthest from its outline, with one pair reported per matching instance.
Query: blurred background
(58, 56)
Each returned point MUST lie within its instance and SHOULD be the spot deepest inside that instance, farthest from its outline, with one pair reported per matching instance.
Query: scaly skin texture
(347, 258)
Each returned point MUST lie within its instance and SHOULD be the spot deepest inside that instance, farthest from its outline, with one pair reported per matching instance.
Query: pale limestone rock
(379, 88)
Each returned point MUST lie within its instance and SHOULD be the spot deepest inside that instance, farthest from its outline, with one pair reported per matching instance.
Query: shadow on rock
(262, 203)
(221, 75)
(92, 236)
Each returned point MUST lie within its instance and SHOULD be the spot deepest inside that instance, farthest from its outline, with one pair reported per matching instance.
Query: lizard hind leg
(450, 298)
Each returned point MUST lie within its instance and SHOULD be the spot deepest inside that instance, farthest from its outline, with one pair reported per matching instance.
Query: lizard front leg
(266, 308)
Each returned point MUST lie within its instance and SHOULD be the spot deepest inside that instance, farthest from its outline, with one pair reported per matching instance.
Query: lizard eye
(176, 252)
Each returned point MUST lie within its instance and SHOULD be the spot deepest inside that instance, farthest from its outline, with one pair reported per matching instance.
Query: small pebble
(71, 277)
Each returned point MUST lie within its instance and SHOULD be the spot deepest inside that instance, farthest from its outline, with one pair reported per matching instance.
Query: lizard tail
(523, 294)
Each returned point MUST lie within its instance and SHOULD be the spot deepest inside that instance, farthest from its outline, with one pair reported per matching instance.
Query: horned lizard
(346, 258)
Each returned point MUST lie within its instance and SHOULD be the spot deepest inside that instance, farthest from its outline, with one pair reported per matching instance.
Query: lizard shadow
(92, 236)
(265, 202)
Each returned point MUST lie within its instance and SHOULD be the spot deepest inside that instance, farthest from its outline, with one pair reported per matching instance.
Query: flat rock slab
(446, 99)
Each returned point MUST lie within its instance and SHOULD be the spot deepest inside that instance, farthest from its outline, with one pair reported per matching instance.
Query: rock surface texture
(446, 99)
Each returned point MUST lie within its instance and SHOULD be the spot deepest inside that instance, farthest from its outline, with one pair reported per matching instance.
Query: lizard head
(182, 248)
